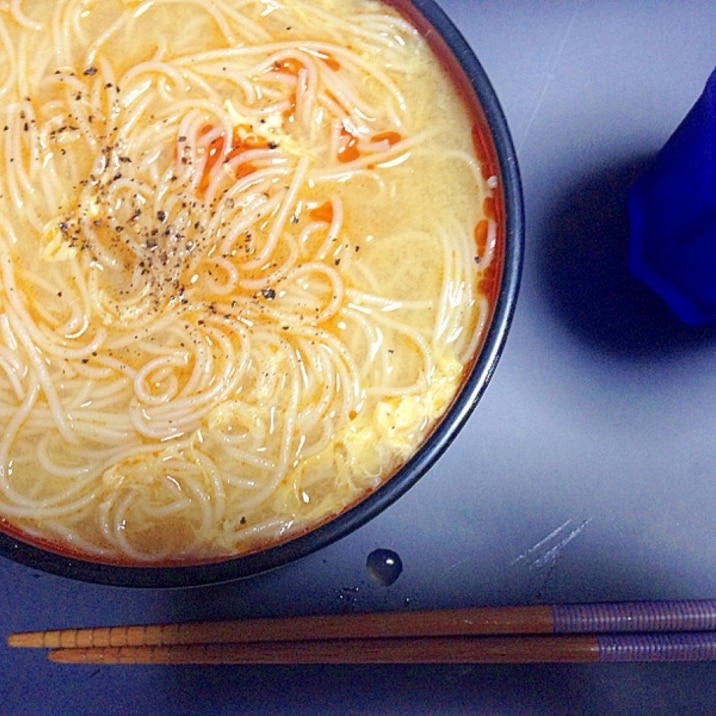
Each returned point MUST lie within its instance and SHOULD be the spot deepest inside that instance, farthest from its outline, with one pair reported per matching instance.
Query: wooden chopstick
(659, 616)
(524, 649)
(626, 631)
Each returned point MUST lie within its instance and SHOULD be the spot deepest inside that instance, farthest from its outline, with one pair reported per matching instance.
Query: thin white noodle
(9, 61)
(11, 373)
(20, 17)
(285, 210)
(11, 430)
(43, 375)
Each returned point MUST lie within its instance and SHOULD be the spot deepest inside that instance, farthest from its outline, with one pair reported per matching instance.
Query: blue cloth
(672, 209)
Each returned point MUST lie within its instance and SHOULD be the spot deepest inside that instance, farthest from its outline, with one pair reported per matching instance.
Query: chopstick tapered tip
(31, 639)
(66, 656)
(111, 655)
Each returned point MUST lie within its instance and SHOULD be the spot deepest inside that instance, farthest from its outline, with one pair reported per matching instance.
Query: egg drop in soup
(247, 253)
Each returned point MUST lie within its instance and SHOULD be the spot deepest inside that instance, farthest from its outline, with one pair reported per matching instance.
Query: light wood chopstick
(658, 616)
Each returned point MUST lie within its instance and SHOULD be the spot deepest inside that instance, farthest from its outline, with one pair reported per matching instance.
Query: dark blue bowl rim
(452, 422)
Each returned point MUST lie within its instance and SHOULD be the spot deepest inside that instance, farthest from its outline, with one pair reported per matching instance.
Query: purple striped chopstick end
(664, 616)
(683, 646)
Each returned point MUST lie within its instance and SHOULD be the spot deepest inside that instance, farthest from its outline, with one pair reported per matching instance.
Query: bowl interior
(495, 149)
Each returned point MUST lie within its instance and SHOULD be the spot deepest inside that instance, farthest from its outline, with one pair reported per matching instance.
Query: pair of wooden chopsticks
(626, 631)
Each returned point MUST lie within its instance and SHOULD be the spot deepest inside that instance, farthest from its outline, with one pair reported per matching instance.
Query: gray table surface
(586, 473)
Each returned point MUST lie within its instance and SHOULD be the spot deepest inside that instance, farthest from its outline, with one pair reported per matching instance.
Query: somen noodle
(242, 252)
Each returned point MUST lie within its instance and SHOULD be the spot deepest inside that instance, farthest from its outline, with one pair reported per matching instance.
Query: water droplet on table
(384, 566)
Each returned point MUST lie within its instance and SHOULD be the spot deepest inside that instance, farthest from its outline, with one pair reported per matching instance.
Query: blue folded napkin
(672, 210)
